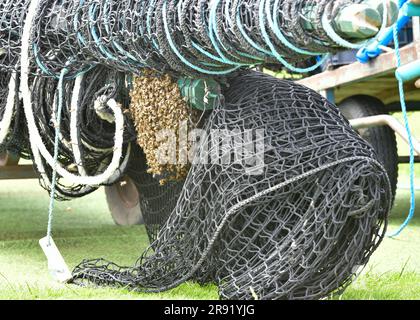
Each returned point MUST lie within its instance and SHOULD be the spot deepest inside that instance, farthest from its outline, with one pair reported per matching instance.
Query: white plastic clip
(56, 264)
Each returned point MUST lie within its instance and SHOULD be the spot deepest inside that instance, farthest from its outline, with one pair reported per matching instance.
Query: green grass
(84, 229)
(387, 286)
(414, 119)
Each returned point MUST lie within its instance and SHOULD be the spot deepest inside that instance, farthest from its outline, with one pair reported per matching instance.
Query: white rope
(37, 146)
(75, 137)
(74, 132)
(9, 108)
(94, 149)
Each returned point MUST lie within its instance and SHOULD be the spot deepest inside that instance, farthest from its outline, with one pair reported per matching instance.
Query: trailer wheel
(8, 159)
(382, 139)
(123, 202)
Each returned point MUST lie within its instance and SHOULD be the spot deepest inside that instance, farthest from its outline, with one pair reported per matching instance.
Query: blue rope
(80, 37)
(410, 140)
(273, 21)
(248, 38)
(57, 123)
(200, 49)
(229, 19)
(47, 71)
(180, 56)
(214, 37)
(93, 9)
(281, 59)
(115, 44)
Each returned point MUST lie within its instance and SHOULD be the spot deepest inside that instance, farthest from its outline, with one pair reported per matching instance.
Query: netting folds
(282, 199)
(13, 133)
(194, 37)
(157, 200)
(294, 217)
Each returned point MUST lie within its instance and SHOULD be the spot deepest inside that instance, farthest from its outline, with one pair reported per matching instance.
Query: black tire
(124, 203)
(382, 138)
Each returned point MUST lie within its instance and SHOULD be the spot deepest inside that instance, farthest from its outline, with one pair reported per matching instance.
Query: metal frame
(387, 120)
(10, 168)
(375, 78)
(372, 78)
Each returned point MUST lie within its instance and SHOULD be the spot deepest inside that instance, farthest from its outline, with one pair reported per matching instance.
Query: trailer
(368, 94)
(375, 79)
(11, 169)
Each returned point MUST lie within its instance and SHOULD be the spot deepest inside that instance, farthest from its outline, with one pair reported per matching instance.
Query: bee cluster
(159, 113)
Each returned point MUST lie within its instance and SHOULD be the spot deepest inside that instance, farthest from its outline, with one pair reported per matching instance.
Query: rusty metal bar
(17, 172)
(9, 168)
(386, 120)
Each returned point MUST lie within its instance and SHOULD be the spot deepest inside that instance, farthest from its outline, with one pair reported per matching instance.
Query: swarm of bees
(160, 115)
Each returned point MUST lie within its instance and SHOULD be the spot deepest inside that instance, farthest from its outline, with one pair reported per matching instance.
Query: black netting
(12, 15)
(157, 201)
(195, 37)
(95, 125)
(293, 218)
(298, 229)
(199, 38)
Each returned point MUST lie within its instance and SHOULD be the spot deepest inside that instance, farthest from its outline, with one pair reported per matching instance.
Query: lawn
(84, 229)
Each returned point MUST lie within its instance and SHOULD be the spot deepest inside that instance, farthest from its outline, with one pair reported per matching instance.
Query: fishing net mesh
(16, 139)
(293, 218)
(194, 37)
(283, 199)
(198, 38)
(157, 200)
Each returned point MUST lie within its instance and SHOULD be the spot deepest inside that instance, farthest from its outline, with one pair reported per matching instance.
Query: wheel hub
(128, 193)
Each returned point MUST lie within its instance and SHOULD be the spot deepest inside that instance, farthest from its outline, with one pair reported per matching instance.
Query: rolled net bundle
(13, 134)
(12, 15)
(87, 127)
(182, 37)
(55, 43)
(291, 211)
